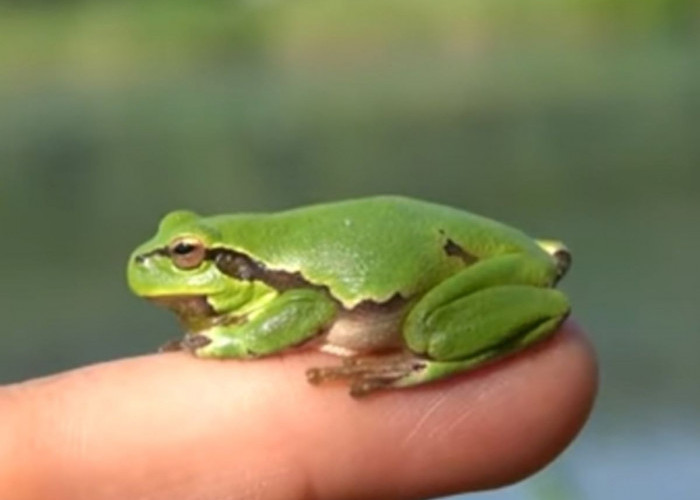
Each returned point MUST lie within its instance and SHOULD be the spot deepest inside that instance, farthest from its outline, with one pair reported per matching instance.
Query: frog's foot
(171, 345)
(368, 374)
(189, 343)
(194, 342)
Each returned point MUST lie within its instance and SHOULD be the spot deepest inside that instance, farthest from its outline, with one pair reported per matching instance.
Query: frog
(404, 291)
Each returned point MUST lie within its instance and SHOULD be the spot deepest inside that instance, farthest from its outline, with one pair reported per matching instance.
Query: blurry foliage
(571, 119)
(109, 41)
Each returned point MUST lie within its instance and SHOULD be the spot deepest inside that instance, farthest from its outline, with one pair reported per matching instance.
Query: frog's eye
(187, 253)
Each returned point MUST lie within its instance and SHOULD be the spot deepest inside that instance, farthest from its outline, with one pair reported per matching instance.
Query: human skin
(173, 427)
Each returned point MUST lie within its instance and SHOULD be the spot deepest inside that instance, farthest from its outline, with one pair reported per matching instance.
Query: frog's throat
(185, 305)
(194, 311)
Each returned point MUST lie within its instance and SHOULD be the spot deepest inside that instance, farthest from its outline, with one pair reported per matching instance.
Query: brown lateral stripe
(240, 266)
(243, 267)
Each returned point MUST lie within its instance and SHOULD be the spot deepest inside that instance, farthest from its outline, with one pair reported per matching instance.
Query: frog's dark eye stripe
(145, 256)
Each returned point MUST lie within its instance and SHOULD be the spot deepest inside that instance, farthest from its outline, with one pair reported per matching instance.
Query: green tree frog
(406, 291)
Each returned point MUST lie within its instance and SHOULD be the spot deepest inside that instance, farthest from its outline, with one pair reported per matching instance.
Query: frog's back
(372, 248)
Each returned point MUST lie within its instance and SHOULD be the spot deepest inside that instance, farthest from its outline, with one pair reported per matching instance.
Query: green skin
(407, 291)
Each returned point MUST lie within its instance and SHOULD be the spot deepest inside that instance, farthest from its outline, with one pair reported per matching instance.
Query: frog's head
(177, 266)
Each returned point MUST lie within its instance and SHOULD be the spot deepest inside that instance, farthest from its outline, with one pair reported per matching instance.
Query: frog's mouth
(185, 306)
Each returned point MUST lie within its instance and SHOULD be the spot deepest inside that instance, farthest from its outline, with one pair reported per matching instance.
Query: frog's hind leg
(520, 329)
(485, 305)
(484, 312)
(433, 370)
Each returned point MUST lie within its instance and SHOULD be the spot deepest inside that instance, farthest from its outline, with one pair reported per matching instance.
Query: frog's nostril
(139, 259)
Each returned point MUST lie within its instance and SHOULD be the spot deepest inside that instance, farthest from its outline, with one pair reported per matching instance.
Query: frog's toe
(189, 343)
(367, 375)
(171, 345)
(362, 388)
(320, 375)
(194, 342)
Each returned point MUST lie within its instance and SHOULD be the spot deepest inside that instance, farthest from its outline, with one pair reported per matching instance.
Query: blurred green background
(577, 120)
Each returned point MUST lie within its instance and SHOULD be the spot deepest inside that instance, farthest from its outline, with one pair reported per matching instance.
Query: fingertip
(483, 429)
(171, 426)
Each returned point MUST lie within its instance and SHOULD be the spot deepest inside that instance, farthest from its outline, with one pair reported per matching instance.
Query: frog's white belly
(356, 333)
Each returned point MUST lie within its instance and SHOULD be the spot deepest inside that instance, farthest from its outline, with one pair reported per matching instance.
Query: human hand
(173, 427)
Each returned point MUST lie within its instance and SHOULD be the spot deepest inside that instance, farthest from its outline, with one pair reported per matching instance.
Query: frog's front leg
(484, 312)
(290, 319)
